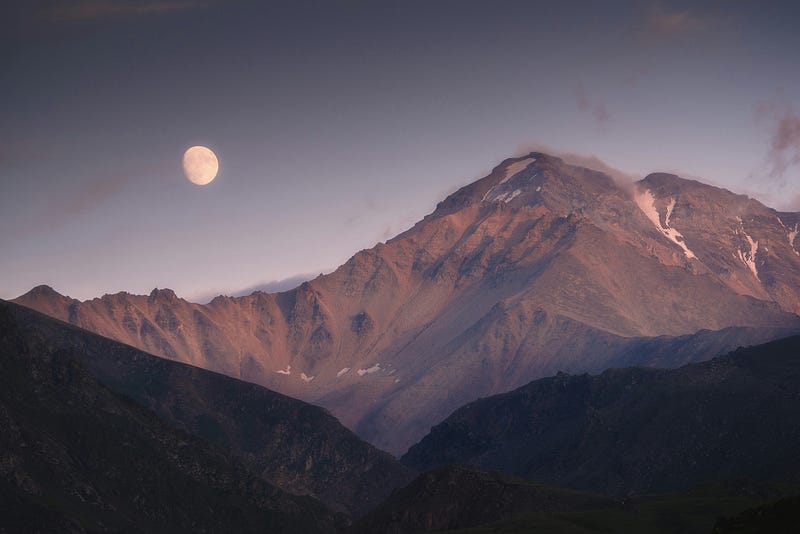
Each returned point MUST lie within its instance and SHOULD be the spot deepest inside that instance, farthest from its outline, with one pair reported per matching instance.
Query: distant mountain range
(538, 267)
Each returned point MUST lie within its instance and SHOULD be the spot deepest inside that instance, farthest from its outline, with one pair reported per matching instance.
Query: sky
(338, 124)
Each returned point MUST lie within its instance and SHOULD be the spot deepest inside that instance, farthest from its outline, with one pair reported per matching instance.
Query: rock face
(298, 447)
(638, 430)
(538, 267)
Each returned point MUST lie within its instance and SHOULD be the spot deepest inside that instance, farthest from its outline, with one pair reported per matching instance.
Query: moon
(200, 165)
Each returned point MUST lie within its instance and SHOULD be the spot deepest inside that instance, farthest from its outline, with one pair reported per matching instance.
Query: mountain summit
(538, 267)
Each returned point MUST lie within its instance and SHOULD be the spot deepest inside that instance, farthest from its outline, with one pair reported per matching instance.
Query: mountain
(538, 267)
(296, 446)
(76, 456)
(637, 430)
(779, 517)
(463, 499)
(458, 497)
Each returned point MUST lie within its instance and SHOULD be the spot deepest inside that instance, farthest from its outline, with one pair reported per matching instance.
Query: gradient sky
(340, 123)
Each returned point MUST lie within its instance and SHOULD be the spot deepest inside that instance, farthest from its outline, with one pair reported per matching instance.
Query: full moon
(200, 165)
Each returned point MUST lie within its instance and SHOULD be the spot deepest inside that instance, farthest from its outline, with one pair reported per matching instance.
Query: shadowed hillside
(637, 430)
(294, 445)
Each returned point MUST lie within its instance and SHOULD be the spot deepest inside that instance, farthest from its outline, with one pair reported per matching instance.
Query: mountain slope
(294, 445)
(637, 430)
(77, 457)
(539, 266)
(467, 500)
(459, 497)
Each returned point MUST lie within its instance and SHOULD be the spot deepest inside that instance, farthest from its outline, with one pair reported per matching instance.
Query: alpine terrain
(539, 267)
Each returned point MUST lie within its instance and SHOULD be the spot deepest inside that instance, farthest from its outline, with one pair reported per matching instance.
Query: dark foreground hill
(78, 457)
(467, 500)
(634, 431)
(778, 517)
(54, 374)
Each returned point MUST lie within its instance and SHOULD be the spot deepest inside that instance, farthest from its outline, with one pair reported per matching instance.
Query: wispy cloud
(785, 146)
(590, 161)
(94, 193)
(597, 110)
(663, 22)
(63, 210)
(783, 124)
(95, 10)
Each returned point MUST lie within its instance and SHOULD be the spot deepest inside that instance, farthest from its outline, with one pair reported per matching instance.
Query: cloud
(597, 110)
(635, 77)
(785, 146)
(61, 211)
(665, 23)
(590, 161)
(95, 192)
(94, 10)
(783, 126)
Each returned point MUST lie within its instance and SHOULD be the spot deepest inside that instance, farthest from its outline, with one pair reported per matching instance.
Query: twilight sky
(340, 123)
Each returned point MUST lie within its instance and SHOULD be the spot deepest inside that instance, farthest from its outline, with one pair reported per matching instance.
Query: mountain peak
(43, 290)
(666, 184)
(165, 294)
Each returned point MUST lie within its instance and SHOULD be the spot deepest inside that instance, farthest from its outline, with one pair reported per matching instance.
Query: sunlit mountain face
(336, 125)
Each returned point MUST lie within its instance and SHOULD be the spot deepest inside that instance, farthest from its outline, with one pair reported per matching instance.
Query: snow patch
(647, 203)
(343, 372)
(396, 380)
(286, 371)
(515, 168)
(792, 235)
(306, 378)
(749, 258)
(507, 197)
(369, 370)
(511, 171)
(670, 207)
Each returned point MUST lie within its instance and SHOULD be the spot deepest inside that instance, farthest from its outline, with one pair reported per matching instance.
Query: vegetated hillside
(468, 500)
(538, 267)
(637, 430)
(78, 457)
(297, 446)
(778, 517)
(458, 497)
